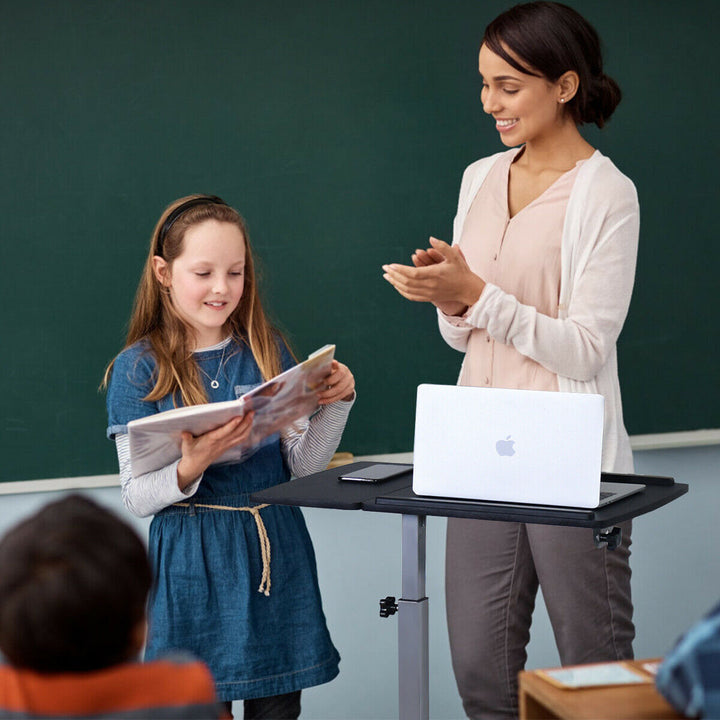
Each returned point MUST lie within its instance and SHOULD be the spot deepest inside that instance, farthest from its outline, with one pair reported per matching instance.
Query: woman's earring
(562, 100)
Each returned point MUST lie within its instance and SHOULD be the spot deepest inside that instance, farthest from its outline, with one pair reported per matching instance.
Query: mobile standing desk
(326, 490)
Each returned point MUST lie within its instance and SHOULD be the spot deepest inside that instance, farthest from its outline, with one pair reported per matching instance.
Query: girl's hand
(338, 385)
(440, 275)
(199, 452)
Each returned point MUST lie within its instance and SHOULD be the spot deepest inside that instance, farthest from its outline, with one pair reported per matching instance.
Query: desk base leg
(413, 659)
(414, 672)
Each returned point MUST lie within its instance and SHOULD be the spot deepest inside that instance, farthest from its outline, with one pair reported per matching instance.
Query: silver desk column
(414, 673)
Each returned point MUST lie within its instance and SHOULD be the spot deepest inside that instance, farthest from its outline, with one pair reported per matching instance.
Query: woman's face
(206, 280)
(526, 108)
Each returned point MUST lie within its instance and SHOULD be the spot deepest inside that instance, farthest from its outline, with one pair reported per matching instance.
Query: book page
(287, 397)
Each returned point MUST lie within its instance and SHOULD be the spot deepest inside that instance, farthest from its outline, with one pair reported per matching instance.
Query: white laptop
(511, 446)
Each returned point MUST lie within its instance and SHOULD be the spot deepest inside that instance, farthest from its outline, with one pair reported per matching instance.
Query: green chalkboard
(340, 130)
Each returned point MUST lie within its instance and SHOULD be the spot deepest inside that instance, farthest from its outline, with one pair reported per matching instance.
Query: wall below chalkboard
(340, 131)
(349, 544)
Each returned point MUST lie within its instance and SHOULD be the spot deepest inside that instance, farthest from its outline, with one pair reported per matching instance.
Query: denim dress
(207, 563)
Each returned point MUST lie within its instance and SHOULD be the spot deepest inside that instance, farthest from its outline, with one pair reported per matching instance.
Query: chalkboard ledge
(19, 487)
(666, 441)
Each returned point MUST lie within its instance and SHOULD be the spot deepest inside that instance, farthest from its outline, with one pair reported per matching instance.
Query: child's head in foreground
(74, 580)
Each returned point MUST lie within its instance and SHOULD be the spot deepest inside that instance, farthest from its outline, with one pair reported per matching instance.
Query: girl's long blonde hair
(155, 319)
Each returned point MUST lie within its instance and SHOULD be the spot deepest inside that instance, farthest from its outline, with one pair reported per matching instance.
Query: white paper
(596, 675)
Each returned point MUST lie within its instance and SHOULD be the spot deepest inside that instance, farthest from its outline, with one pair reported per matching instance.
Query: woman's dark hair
(74, 580)
(547, 39)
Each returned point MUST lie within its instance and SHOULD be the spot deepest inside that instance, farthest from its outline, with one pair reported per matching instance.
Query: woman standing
(534, 291)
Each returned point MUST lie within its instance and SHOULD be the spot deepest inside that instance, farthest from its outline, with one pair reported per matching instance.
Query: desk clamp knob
(608, 537)
(388, 606)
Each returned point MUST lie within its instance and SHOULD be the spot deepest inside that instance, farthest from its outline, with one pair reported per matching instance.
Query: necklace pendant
(214, 384)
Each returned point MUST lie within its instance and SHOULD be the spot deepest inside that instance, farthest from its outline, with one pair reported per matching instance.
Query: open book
(155, 440)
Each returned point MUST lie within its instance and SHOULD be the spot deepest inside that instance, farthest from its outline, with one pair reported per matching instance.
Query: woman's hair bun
(548, 39)
(603, 97)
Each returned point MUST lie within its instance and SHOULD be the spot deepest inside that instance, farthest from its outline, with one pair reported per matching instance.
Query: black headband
(178, 211)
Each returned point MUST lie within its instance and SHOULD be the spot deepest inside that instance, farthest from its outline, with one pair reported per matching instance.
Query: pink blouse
(521, 255)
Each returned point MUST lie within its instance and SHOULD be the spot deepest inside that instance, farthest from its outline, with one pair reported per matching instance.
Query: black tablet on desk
(376, 473)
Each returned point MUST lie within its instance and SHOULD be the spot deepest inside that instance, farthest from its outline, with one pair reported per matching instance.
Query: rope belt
(262, 537)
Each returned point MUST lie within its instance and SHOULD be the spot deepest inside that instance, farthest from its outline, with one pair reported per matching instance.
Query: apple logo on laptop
(505, 447)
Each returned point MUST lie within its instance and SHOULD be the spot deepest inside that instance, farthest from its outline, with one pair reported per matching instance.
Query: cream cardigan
(598, 256)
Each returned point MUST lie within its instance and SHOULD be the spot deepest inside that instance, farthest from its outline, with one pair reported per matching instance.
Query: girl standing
(534, 291)
(235, 585)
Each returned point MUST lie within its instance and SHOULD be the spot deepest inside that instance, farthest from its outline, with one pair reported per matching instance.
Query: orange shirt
(145, 689)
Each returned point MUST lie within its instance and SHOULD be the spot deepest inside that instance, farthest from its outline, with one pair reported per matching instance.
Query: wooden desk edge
(541, 700)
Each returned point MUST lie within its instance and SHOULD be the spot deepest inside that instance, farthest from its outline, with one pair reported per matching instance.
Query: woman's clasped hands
(440, 275)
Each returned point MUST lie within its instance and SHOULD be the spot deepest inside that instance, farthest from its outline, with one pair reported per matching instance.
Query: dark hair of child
(74, 580)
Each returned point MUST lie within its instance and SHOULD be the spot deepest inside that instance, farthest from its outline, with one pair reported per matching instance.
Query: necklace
(214, 384)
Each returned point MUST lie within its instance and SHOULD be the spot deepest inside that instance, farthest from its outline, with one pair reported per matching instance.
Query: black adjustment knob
(388, 606)
(609, 537)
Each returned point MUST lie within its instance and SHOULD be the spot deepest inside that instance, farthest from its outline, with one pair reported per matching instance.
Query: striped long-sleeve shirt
(308, 447)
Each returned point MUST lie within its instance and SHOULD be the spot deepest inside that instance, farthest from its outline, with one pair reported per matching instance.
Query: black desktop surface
(326, 490)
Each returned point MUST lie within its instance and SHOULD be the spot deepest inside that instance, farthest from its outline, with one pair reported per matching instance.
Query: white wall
(676, 577)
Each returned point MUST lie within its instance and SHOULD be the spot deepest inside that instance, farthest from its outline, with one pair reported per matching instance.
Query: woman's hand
(338, 385)
(431, 256)
(440, 275)
(423, 258)
(199, 452)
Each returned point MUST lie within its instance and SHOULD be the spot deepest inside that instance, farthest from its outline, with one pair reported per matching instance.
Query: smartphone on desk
(379, 472)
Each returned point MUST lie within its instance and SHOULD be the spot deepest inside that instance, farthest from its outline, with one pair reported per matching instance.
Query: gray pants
(492, 574)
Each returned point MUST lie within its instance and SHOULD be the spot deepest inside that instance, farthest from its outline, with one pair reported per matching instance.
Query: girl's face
(206, 280)
(526, 108)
